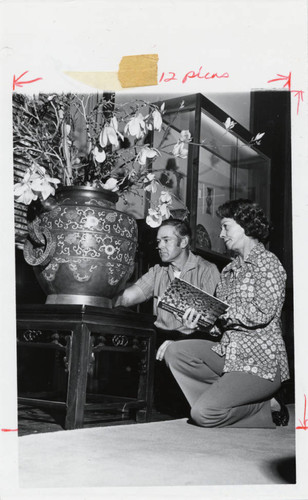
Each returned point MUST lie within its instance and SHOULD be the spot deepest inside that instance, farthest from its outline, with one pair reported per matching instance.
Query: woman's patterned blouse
(252, 340)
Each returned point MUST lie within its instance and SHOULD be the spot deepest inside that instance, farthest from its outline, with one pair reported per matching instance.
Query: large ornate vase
(81, 248)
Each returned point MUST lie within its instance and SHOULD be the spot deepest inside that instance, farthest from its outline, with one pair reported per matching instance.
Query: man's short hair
(182, 227)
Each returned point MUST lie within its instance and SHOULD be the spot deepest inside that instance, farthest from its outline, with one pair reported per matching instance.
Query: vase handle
(33, 255)
(35, 232)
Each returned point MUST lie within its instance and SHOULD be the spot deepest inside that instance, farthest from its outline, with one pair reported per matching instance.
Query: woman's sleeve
(259, 298)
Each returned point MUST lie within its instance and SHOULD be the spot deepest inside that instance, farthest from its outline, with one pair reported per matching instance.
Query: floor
(248, 456)
(162, 453)
(39, 420)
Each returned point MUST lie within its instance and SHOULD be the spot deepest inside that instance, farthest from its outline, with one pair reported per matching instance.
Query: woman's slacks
(218, 399)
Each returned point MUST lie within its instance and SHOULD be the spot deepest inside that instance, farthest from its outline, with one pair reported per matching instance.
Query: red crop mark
(9, 430)
(300, 97)
(282, 78)
(304, 422)
(18, 83)
(287, 78)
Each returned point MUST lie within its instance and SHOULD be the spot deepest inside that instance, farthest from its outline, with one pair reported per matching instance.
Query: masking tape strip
(138, 71)
(99, 79)
(134, 71)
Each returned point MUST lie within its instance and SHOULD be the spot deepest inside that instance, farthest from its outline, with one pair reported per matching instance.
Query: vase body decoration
(81, 248)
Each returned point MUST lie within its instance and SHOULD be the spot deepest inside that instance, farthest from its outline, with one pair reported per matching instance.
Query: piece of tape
(134, 71)
(138, 71)
(104, 80)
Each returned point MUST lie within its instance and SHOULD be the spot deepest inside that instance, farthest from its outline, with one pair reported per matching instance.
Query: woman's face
(233, 234)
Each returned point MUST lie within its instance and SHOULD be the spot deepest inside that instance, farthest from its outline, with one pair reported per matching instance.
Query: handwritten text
(200, 74)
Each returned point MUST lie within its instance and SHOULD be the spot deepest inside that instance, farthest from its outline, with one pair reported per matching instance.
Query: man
(173, 244)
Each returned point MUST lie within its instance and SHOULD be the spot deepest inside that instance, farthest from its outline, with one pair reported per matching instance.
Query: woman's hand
(190, 318)
(162, 349)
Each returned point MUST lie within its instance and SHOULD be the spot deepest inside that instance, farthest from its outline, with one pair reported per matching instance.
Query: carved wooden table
(80, 332)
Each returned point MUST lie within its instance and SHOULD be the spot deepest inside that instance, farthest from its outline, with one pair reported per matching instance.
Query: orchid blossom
(154, 218)
(161, 211)
(110, 133)
(44, 186)
(43, 183)
(185, 136)
(111, 184)
(23, 191)
(179, 149)
(164, 210)
(145, 153)
(100, 156)
(35, 181)
(165, 197)
(165, 200)
(157, 120)
(229, 124)
(257, 138)
(136, 126)
(150, 183)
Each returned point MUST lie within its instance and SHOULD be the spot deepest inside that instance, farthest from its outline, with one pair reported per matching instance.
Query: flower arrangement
(89, 140)
(71, 139)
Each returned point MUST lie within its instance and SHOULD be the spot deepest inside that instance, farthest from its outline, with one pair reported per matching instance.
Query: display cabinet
(223, 163)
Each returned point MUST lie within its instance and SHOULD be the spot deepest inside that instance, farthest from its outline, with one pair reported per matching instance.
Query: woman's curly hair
(249, 215)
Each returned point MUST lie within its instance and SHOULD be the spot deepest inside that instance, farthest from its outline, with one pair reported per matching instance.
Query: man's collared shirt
(196, 271)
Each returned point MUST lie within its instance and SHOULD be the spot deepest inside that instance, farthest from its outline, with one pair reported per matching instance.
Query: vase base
(89, 300)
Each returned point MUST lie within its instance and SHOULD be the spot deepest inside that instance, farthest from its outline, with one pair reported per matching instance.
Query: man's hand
(190, 318)
(162, 349)
(129, 297)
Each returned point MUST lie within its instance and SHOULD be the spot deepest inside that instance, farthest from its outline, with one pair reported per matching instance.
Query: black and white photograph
(122, 186)
(97, 244)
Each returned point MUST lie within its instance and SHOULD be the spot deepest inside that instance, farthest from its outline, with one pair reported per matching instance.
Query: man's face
(169, 244)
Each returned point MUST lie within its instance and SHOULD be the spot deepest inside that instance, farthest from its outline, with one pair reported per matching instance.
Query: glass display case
(223, 163)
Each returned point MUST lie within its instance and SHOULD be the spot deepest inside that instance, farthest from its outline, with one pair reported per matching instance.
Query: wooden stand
(81, 332)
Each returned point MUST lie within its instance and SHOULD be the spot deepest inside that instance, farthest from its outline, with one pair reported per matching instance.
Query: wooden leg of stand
(145, 389)
(77, 379)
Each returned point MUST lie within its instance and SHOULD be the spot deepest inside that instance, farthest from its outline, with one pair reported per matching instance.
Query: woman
(231, 382)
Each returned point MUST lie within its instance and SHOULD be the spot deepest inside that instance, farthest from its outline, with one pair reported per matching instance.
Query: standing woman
(231, 382)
